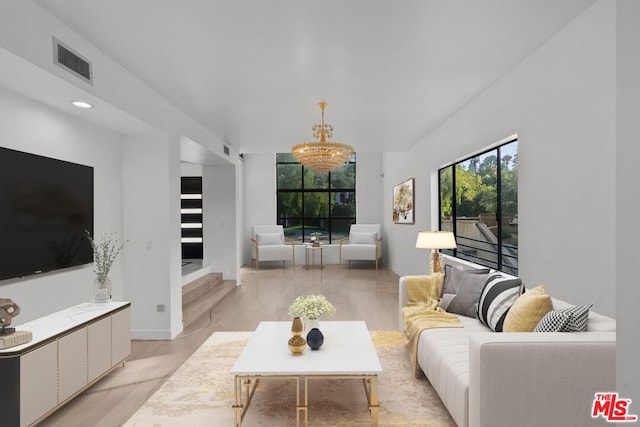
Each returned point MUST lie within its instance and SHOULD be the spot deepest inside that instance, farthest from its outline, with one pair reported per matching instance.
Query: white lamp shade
(435, 240)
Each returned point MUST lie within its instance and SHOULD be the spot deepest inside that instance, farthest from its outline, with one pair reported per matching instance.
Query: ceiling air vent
(71, 61)
(225, 149)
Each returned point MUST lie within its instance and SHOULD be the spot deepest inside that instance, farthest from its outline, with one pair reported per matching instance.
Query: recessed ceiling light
(82, 104)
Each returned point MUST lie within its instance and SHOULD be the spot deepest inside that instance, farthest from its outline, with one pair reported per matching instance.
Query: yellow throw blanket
(422, 312)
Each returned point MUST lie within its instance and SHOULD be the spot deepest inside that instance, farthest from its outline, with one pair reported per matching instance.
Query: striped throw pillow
(496, 299)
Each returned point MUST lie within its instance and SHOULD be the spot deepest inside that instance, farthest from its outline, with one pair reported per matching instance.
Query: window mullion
(454, 209)
(499, 205)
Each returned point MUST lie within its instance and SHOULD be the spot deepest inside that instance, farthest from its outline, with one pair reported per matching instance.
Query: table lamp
(436, 240)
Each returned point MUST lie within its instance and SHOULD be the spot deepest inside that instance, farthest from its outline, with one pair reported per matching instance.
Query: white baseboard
(151, 335)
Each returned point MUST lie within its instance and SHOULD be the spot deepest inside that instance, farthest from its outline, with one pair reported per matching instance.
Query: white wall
(402, 255)
(32, 127)
(190, 169)
(561, 103)
(145, 214)
(241, 232)
(174, 236)
(128, 105)
(219, 219)
(113, 85)
(369, 174)
(259, 197)
(627, 202)
(152, 226)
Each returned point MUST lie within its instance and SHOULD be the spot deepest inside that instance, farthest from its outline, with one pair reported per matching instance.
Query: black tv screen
(45, 207)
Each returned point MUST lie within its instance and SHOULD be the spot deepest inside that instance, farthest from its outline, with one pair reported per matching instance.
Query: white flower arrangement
(311, 307)
(104, 254)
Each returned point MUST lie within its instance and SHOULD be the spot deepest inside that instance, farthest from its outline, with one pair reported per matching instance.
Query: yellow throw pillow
(424, 288)
(527, 311)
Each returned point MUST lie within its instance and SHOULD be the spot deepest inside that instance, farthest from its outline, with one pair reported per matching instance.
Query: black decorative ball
(315, 339)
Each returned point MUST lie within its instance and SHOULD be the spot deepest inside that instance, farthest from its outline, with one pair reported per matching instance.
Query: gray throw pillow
(453, 278)
(446, 300)
(466, 300)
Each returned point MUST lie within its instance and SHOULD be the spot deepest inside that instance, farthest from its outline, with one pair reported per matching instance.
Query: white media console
(70, 351)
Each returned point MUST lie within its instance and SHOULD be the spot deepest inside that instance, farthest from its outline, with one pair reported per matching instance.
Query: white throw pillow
(270, 238)
(363, 238)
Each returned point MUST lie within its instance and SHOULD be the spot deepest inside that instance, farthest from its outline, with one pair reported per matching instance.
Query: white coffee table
(347, 352)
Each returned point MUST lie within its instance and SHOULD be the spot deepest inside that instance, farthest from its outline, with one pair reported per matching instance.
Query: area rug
(200, 393)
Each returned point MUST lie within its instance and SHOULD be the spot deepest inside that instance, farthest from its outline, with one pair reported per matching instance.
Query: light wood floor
(359, 293)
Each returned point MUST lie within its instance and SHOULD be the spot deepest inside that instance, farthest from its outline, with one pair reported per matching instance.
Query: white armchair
(363, 244)
(269, 244)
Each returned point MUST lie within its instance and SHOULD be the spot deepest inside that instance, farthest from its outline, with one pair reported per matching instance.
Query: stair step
(203, 296)
(200, 286)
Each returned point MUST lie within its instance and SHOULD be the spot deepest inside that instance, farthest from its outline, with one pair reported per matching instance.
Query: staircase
(201, 295)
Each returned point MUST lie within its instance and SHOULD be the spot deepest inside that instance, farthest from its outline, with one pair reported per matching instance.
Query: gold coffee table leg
(240, 409)
(302, 407)
(237, 407)
(306, 402)
(371, 388)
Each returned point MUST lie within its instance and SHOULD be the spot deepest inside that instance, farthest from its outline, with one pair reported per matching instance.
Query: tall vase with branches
(104, 254)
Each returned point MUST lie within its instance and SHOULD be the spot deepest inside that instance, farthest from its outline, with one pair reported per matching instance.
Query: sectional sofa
(537, 379)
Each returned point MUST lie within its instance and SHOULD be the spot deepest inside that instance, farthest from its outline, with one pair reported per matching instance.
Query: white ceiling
(253, 71)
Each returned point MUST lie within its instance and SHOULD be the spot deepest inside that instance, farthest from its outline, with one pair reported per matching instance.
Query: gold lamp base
(436, 266)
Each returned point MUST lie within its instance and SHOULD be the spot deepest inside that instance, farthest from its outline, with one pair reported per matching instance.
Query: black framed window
(308, 201)
(478, 202)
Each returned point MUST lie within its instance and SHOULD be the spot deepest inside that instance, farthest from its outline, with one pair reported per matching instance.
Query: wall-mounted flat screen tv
(45, 207)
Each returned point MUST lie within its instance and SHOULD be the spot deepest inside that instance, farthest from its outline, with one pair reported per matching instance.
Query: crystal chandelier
(322, 156)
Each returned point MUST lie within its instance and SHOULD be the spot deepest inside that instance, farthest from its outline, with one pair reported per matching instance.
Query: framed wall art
(403, 202)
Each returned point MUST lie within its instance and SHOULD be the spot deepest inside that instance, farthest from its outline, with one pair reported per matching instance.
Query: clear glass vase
(101, 290)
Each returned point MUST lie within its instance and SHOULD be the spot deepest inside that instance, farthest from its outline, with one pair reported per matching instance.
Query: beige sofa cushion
(443, 355)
